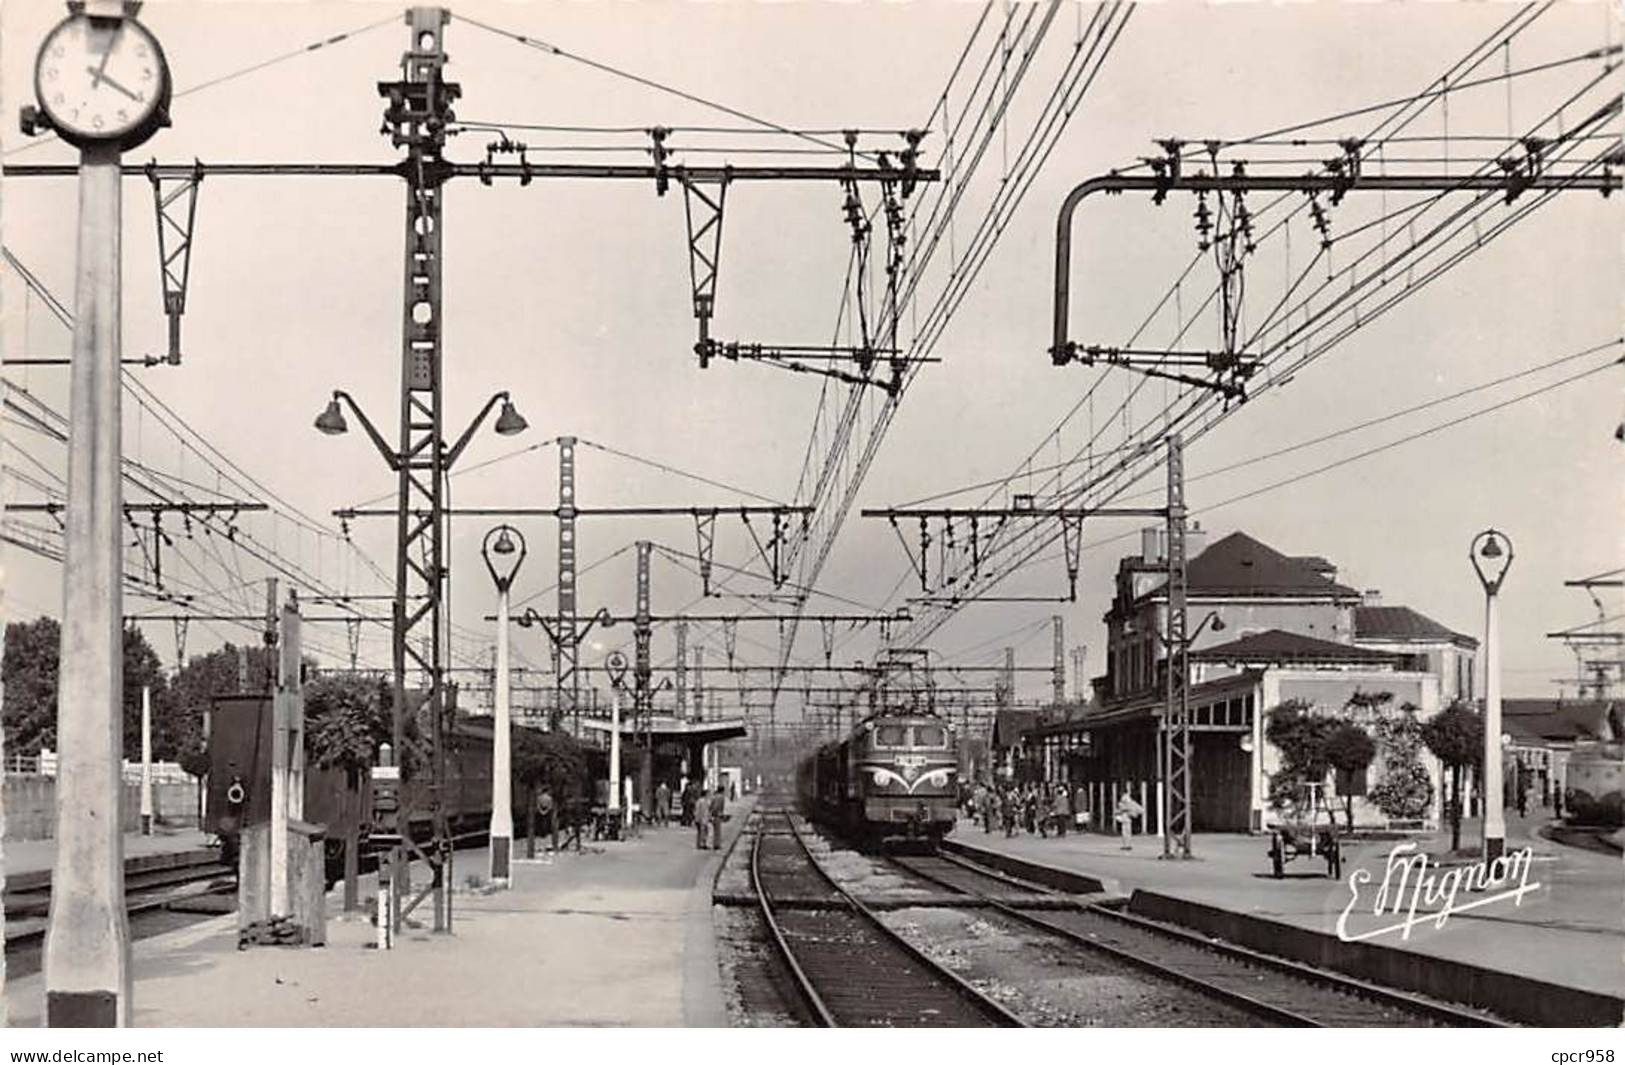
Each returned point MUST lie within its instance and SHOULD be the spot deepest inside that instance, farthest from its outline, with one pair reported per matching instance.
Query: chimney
(1371, 597)
(1195, 540)
(1151, 544)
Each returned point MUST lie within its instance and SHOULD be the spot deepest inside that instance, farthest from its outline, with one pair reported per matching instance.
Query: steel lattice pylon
(566, 641)
(1176, 711)
(419, 106)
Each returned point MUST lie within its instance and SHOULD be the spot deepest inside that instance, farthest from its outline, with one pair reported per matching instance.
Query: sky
(573, 296)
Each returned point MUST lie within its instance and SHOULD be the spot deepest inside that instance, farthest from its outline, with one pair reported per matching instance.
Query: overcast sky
(574, 296)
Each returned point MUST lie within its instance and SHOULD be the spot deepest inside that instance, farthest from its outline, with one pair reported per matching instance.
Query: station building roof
(1402, 624)
(1279, 647)
(1239, 565)
(1562, 720)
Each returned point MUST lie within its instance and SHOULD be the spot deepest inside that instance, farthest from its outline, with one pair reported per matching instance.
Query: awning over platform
(664, 727)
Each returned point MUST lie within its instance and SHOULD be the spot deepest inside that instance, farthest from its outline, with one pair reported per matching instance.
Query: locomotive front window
(930, 736)
(891, 736)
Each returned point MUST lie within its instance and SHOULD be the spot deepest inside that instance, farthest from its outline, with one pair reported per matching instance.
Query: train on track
(894, 776)
(1594, 783)
(239, 785)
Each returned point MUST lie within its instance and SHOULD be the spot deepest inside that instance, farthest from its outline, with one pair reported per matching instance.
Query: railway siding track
(148, 885)
(849, 968)
(1273, 989)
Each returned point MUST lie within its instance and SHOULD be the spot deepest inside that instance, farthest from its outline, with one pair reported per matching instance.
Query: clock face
(101, 80)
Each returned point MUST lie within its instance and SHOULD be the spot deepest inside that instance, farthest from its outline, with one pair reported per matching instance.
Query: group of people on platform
(704, 810)
(1042, 807)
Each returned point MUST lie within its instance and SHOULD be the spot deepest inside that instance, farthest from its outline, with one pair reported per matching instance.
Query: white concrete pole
(614, 750)
(146, 760)
(501, 756)
(1495, 828)
(87, 945)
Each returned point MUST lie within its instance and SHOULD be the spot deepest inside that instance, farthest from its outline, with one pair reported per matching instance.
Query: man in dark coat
(719, 806)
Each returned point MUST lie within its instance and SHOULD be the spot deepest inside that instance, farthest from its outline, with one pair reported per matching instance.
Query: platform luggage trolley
(1301, 833)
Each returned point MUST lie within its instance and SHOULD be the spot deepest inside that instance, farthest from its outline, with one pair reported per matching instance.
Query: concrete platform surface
(32, 855)
(619, 934)
(1569, 931)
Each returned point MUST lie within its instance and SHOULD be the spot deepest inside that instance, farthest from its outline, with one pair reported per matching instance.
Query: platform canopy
(667, 727)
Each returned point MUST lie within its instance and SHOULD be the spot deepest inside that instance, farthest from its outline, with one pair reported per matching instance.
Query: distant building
(1543, 733)
(1449, 655)
(1273, 627)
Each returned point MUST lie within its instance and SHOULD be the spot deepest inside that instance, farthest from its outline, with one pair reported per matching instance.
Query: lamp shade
(510, 421)
(331, 421)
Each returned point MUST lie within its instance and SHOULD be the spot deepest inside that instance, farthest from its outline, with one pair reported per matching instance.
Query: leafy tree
(1405, 790)
(1301, 736)
(142, 669)
(1456, 738)
(29, 675)
(345, 721)
(30, 671)
(1349, 750)
(552, 758)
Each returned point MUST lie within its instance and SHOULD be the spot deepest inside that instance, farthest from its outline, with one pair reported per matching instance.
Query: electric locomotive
(1594, 781)
(894, 776)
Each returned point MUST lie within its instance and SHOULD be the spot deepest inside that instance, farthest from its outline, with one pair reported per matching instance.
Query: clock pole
(87, 941)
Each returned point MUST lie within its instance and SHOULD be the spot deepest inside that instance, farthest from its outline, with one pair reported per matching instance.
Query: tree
(142, 669)
(29, 675)
(31, 678)
(1405, 790)
(346, 720)
(1349, 750)
(1301, 736)
(551, 758)
(1456, 738)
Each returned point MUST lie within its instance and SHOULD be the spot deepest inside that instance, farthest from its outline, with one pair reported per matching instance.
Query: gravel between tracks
(1049, 984)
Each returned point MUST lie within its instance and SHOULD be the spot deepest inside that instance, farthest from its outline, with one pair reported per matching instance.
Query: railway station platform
(39, 855)
(1570, 932)
(619, 934)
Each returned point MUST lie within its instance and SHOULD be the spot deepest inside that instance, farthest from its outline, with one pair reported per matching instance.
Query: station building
(1269, 627)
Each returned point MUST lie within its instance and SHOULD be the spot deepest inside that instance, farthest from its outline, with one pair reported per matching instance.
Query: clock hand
(99, 75)
(109, 79)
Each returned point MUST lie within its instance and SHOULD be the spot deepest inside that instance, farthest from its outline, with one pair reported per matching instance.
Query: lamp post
(331, 421)
(1166, 753)
(508, 546)
(1491, 561)
(615, 666)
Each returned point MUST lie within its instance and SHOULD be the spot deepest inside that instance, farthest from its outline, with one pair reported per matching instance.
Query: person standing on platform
(1127, 811)
(662, 804)
(717, 814)
(701, 821)
(687, 813)
(1063, 809)
(548, 811)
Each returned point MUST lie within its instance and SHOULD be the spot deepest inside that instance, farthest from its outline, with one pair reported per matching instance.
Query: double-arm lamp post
(1491, 561)
(331, 421)
(504, 551)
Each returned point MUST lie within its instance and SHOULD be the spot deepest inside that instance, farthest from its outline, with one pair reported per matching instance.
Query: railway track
(850, 969)
(1275, 990)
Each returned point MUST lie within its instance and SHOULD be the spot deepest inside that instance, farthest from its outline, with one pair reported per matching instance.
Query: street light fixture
(500, 541)
(332, 422)
(1491, 563)
(615, 666)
